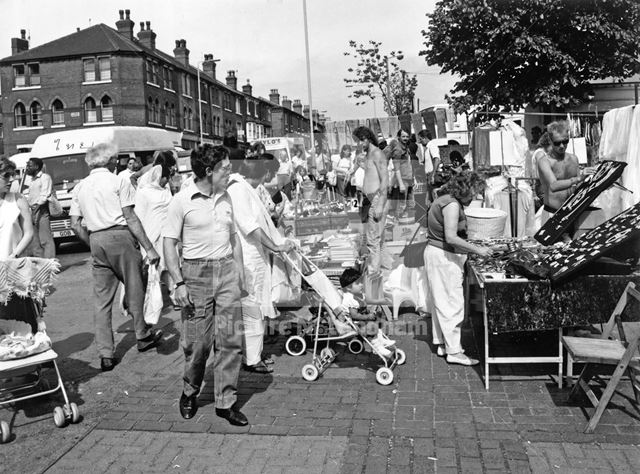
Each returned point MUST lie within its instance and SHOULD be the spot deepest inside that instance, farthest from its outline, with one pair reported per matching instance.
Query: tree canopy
(371, 76)
(511, 53)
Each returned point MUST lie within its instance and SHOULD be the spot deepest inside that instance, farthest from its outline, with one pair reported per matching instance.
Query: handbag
(55, 208)
(413, 253)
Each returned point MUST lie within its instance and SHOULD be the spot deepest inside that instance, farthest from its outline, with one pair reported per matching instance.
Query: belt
(208, 260)
(114, 227)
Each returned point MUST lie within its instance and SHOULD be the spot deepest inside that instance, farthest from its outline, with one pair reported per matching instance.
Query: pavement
(434, 417)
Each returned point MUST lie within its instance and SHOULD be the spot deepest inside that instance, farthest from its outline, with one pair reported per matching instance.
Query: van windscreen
(69, 168)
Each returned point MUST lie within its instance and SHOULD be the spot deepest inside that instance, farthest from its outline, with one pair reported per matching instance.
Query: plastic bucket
(485, 223)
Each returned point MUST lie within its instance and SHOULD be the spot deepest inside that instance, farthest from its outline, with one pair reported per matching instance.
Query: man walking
(208, 286)
(373, 211)
(429, 155)
(40, 190)
(102, 216)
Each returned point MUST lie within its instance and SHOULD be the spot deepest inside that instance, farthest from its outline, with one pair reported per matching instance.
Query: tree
(511, 53)
(378, 73)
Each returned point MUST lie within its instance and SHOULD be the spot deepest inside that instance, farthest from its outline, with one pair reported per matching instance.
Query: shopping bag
(286, 283)
(55, 208)
(153, 297)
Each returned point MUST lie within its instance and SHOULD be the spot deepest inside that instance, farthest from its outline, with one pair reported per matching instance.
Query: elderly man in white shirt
(102, 216)
(209, 283)
(40, 190)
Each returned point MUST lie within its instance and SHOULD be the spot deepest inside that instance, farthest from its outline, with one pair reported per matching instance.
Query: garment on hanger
(616, 127)
(631, 176)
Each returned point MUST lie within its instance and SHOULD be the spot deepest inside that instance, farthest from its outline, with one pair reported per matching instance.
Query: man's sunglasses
(561, 142)
(8, 175)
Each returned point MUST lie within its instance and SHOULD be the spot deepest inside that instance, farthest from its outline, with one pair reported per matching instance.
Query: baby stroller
(20, 378)
(329, 303)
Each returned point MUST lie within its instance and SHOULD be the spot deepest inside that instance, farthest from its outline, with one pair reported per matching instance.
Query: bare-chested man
(374, 205)
(558, 170)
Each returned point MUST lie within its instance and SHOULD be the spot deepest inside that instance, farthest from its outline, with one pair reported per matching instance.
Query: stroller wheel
(295, 345)
(59, 417)
(355, 346)
(75, 413)
(328, 353)
(5, 432)
(401, 357)
(384, 376)
(310, 372)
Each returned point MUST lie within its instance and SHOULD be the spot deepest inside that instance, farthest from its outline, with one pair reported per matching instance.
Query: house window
(104, 66)
(57, 113)
(106, 108)
(89, 66)
(34, 74)
(238, 108)
(172, 115)
(35, 110)
(20, 116)
(168, 78)
(186, 85)
(20, 80)
(149, 70)
(190, 119)
(184, 118)
(156, 111)
(205, 125)
(90, 111)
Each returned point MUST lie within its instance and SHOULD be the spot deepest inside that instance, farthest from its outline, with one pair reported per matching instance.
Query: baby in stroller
(355, 307)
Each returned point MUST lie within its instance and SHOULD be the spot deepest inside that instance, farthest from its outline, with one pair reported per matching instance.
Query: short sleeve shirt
(203, 223)
(99, 199)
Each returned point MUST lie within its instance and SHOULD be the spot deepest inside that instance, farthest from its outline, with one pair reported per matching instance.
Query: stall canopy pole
(306, 45)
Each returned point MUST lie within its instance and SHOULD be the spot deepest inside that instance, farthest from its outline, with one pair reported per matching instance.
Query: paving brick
(470, 465)
(468, 448)
(446, 456)
(115, 425)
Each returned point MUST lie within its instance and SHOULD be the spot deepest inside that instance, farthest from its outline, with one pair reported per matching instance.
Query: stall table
(520, 304)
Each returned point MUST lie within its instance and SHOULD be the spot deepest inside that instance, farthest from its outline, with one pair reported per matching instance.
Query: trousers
(445, 296)
(42, 244)
(374, 234)
(213, 323)
(116, 259)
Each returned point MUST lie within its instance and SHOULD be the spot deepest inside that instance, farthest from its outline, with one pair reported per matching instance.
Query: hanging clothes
(429, 119)
(631, 175)
(416, 121)
(441, 123)
(405, 122)
(394, 126)
(375, 126)
(616, 127)
(384, 126)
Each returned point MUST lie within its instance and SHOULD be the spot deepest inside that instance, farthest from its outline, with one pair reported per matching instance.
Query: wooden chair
(621, 353)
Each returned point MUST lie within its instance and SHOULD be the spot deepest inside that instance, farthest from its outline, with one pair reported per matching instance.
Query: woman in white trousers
(445, 255)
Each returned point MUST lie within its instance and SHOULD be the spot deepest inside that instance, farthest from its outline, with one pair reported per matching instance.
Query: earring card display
(605, 175)
(566, 261)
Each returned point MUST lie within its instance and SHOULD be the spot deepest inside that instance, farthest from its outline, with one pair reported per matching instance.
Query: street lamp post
(200, 104)
(306, 45)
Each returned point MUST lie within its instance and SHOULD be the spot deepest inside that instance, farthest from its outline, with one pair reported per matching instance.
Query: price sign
(617, 230)
(606, 174)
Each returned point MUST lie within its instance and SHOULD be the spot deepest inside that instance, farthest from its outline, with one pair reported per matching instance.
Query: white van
(63, 156)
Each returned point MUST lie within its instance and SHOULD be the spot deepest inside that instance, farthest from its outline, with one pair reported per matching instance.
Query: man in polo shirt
(102, 216)
(40, 190)
(208, 286)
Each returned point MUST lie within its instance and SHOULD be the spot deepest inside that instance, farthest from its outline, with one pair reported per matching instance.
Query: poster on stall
(565, 261)
(605, 175)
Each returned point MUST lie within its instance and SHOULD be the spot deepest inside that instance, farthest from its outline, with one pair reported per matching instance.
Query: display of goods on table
(605, 175)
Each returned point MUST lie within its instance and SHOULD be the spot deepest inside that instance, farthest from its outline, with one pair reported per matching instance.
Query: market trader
(558, 170)
(209, 284)
(102, 216)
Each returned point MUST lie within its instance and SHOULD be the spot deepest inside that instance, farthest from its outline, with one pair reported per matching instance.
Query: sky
(262, 40)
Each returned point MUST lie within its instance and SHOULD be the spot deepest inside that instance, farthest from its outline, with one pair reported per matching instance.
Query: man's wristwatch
(179, 283)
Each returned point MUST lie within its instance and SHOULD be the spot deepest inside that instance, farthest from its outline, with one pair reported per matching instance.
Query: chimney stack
(232, 80)
(247, 88)
(147, 37)
(305, 111)
(125, 25)
(274, 96)
(297, 106)
(18, 45)
(209, 66)
(286, 103)
(181, 52)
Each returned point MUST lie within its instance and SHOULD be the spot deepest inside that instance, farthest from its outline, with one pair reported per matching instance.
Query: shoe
(461, 359)
(150, 341)
(441, 351)
(385, 340)
(268, 361)
(188, 406)
(259, 368)
(107, 364)
(233, 416)
(380, 348)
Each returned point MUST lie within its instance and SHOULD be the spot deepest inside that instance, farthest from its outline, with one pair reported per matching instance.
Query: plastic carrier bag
(153, 297)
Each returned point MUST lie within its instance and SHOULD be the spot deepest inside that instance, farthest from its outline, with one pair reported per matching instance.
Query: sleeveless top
(10, 229)
(435, 222)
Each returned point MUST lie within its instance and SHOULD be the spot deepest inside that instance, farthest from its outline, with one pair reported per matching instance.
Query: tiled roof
(95, 39)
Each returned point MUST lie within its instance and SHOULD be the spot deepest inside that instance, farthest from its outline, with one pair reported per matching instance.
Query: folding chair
(621, 353)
